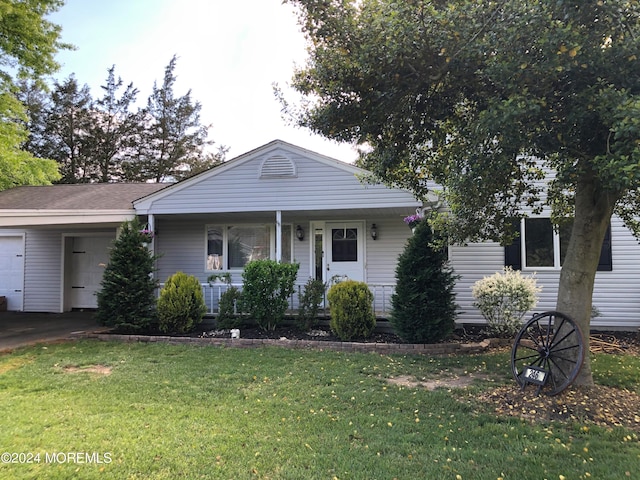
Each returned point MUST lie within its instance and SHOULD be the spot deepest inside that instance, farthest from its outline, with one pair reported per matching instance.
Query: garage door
(12, 271)
(89, 257)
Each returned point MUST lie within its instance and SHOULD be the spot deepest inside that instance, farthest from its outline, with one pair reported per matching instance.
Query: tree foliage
(174, 137)
(107, 139)
(28, 44)
(483, 97)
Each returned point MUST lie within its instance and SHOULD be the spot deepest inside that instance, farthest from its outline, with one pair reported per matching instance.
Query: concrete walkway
(18, 329)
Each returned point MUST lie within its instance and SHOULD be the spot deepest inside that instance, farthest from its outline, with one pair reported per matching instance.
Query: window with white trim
(231, 247)
(540, 246)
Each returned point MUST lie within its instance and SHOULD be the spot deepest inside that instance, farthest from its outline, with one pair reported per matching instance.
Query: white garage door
(89, 257)
(12, 271)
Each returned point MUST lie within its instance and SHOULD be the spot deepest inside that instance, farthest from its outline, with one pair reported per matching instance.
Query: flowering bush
(504, 298)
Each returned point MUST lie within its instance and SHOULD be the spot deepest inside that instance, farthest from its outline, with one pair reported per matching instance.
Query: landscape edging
(381, 348)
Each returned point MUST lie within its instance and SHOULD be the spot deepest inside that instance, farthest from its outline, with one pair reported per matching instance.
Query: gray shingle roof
(91, 196)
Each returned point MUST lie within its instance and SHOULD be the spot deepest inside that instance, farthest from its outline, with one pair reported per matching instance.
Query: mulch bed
(599, 405)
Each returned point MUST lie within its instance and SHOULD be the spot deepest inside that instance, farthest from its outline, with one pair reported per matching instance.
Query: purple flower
(147, 234)
(412, 219)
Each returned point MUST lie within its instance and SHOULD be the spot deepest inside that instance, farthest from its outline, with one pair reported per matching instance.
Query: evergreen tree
(113, 128)
(67, 124)
(423, 304)
(127, 297)
(173, 141)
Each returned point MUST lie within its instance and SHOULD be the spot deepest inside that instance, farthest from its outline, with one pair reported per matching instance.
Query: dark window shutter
(513, 253)
(606, 261)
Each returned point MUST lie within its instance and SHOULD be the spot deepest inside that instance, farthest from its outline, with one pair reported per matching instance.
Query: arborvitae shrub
(351, 309)
(229, 309)
(181, 304)
(127, 299)
(267, 286)
(310, 299)
(423, 305)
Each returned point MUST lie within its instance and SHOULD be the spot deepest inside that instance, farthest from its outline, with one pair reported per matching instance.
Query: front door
(345, 250)
(89, 257)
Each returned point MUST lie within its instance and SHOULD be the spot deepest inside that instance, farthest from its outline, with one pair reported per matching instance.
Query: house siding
(318, 185)
(616, 293)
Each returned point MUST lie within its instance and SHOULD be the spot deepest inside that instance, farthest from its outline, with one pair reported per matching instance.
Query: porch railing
(381, 297)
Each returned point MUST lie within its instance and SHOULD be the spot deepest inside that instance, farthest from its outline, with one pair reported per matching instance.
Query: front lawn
(136, 411)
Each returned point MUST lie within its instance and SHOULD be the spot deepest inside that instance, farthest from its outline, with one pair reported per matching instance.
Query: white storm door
(89, 257)
(345, 250)
(12, 271)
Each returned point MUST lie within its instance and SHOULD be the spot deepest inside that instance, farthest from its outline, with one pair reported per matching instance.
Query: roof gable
(276, 176)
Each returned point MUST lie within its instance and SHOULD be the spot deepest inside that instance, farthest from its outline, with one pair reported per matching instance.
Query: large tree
(114, 128)
(68, 122)
(172, 144)
(483, 97)
(28, 44)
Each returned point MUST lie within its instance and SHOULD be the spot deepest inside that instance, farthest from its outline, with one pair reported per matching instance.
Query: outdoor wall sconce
(299, 233)
(374, 231)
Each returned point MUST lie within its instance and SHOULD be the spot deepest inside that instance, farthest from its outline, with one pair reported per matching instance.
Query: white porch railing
(381, 297)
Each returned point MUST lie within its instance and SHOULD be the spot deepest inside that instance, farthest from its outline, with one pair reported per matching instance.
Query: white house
(278, 201)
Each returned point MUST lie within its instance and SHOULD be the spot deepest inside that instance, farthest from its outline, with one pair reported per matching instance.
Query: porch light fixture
(374, 231)
(299, 233)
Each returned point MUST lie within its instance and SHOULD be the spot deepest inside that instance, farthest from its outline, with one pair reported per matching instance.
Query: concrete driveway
(18, 329)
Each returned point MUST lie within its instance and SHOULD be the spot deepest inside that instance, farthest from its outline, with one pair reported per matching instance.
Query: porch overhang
(47, 217)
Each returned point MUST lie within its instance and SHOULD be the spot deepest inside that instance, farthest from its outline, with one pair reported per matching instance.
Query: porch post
(279, 236)
(151, 221)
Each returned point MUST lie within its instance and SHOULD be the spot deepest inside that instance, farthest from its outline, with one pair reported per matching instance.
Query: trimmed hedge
(350, 305)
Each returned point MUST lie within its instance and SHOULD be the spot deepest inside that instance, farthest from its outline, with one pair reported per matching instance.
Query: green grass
(169, 412)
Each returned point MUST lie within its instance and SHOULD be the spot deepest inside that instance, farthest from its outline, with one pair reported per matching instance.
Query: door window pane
(318, 253)
(344, 245)
(287, 235)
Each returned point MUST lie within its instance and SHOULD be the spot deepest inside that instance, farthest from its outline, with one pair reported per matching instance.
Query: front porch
(381, 297)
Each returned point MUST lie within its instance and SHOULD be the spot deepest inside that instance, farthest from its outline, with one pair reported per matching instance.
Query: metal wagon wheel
(551, 344)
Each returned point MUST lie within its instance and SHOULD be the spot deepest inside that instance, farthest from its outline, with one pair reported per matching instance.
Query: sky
(230, 53)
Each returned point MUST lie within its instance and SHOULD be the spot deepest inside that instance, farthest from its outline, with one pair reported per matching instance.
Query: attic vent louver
(277, 166)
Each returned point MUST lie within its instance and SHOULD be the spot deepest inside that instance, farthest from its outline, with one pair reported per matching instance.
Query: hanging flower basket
(146, 235)
(413, 220)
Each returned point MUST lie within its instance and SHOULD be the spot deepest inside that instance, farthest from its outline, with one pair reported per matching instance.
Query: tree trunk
(593, 210)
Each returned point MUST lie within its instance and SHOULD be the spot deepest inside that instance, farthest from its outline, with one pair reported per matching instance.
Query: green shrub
(504, 298)
(310, 299)
(229, 309)
(267, 286)
(350, 305)
(181, 304)
(126, 299)
(423, 304)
